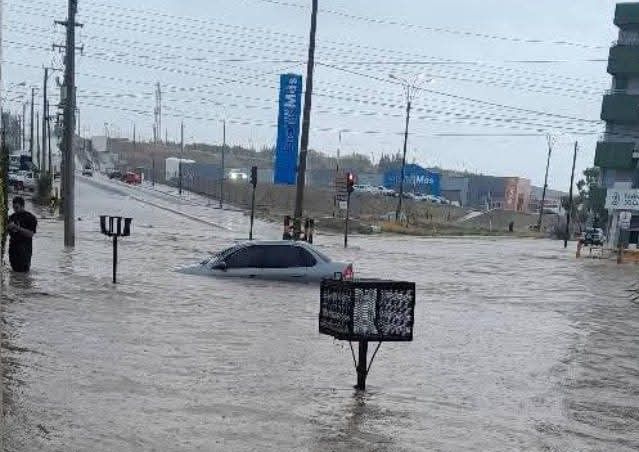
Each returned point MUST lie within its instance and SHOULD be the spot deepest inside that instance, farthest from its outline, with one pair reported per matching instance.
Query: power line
(284, 37)
(435, 29)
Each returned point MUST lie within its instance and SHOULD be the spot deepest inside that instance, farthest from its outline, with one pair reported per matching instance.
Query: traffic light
(254, 176)
(350, 182)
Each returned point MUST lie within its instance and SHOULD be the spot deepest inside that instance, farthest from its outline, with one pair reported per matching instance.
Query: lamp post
(411, 88)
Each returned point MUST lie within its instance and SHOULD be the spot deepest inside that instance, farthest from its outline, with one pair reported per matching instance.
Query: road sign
(343, 205)
(624, 220)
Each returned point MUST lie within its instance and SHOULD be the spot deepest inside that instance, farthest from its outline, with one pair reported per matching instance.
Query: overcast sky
(221, 59)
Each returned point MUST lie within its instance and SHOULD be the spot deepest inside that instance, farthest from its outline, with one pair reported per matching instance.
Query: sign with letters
(288, 129)
(622, 199)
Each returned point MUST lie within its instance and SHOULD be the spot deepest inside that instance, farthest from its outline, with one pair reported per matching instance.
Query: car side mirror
(221, 265)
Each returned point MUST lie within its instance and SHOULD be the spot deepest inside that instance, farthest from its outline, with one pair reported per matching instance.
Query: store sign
(288, 129)
(624, 220)
(627, 199)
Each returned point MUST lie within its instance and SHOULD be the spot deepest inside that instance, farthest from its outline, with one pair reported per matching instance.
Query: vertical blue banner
(288, 129)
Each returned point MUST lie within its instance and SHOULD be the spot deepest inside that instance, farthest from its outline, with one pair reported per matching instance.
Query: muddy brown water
(518, 346)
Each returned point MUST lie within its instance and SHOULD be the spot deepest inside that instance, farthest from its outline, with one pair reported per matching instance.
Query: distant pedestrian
(22, 227)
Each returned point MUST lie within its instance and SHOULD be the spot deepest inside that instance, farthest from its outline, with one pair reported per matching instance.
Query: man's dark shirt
(21, 246)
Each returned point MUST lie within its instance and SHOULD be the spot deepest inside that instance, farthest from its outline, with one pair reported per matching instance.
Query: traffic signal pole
(350, 181)
(254, 184)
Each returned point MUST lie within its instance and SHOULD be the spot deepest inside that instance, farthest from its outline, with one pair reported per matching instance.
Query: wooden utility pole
(306, 123)
(572, 181)
(24, 125)
(45, 119)
(68, 176)
(398, 212)
(223, 168)
(543, 193)
(31, 124)
(181, 157)
(37, 138)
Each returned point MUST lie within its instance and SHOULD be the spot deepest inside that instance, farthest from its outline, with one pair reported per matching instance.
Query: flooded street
(518, 346)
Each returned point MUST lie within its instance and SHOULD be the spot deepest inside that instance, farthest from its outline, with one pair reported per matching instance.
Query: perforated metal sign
(367, 310)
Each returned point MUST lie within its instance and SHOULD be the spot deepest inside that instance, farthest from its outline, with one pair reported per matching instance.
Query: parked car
(115, 174)
(278, 260)
(385, 191)
(22, 180)
(131, 178)
(237, 176)
(594, 236)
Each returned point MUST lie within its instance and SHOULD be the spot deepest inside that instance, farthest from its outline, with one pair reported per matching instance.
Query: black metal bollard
(114, 228)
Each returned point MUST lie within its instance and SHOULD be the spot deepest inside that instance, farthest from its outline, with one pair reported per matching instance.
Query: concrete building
(552, 202)
(455, 188)
(506, 193)
(617, 152)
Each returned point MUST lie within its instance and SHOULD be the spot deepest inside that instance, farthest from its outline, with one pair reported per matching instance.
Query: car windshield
(321, 255)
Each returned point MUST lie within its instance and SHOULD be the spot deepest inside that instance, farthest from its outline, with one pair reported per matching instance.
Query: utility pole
(50, 166)
(572, 181)
(181, 157)
(306, 123)
(45, 118)
(134, 136)
(24, 125)
(543, 193)
(69, 125)
(31, 125)
(223, 168)
(401, 181)
(37, 138)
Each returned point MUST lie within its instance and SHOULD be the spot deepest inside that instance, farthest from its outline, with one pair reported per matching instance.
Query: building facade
(617, 151)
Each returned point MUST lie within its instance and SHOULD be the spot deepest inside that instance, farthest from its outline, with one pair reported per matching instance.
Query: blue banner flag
(288, 129)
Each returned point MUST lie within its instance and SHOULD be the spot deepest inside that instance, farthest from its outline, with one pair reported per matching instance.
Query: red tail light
(348, 272)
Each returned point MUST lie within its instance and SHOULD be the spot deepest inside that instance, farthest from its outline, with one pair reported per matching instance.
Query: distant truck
(20, 161)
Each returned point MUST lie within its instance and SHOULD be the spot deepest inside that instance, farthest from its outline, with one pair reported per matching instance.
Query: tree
(592, 198)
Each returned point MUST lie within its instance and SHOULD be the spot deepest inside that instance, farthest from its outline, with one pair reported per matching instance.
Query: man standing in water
(22, 227)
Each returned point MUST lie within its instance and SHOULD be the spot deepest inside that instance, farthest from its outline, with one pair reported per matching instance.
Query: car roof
(274, 242)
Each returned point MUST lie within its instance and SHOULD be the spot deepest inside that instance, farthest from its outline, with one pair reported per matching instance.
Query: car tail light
(348, 272)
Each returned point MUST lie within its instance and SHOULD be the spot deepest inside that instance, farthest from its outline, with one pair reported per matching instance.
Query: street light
(411, 88)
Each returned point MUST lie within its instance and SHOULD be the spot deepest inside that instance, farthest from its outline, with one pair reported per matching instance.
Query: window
(306, 258)
(286, 256)
(248, 257)
(621, 83)
(321, 255)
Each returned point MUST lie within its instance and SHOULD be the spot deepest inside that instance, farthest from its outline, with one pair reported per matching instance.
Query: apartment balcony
(624, 60)
(620, 107)
(616, 155)
(626, 14)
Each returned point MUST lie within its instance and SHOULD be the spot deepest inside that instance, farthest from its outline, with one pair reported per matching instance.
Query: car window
(283, 256)
(322, 256)
(248, 257)
(306, 258)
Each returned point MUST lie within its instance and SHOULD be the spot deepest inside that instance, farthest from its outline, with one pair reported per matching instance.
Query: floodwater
(518, 346)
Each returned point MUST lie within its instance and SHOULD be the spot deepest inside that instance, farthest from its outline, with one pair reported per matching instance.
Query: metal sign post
(114, 228)
(254, 184)
(350, 182)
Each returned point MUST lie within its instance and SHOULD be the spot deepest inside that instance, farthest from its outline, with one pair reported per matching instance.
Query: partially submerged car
(278, 259)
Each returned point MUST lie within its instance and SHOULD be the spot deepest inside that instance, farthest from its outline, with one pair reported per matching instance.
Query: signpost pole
(115, 257)
(348, 208)
(361, 365)
(254, 184)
